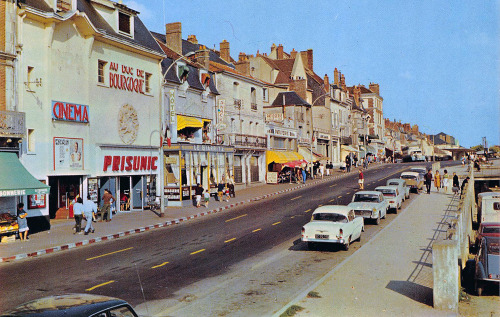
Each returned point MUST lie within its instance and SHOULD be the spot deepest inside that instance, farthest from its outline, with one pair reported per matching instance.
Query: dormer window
(182, 72)
(204, 79)
(124, 24)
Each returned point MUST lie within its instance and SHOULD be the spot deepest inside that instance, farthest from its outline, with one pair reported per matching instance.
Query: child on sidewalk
(206, 197)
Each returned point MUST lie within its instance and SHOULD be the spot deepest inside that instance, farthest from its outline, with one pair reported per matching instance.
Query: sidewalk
(60, 237)
(390, 275)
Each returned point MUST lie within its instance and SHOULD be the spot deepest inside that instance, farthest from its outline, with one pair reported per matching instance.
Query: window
(265, 95)
(31, 140)
(147, 82)
(235, 90)
(124, 22)
(253, 96)
(100, 71)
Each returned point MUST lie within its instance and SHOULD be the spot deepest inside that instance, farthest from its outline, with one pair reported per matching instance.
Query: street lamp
(312, 132)
(159, 181)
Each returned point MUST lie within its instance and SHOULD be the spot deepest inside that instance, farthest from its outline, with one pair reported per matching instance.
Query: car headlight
(374, 209)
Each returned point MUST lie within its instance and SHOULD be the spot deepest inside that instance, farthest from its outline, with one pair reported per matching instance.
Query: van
(488, 207)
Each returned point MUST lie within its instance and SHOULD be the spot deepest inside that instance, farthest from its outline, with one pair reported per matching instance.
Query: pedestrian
(78, 214)
(355, 161)
(227, 195)
(89, 211)
(437, 180)
(206, 197)
(220, 191)
(322, 170)
(22, 222)
(198, 191)
(361, 180)
(303, 176)
(446, 180)
(106, 205)
(466, 180)
(348, 164)
(328, 168)
(428, 181)
(476, 165)
(231, 186)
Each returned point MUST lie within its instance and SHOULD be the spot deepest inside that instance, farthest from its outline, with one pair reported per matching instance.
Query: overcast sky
(437, 62)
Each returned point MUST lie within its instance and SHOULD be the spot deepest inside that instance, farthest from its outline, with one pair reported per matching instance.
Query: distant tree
(494, 149)
(477, 148)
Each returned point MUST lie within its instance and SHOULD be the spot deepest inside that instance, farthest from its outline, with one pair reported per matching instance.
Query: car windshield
(408, 177)
(330, 217)
(387, 192)
(394, 183)
(366, 197)
(491, 229)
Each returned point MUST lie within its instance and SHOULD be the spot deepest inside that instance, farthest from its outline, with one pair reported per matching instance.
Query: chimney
(174, 36)
(293, 54)
(300, 87)
(342, 82)
(243, 64)
(375, 88)
(310, 59)
(203, 56)
(224, 51)
(192, 38)
(336, 77)
(326, 81)
(279, 52)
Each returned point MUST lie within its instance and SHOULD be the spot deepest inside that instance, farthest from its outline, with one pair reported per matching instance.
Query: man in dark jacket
(428, 181)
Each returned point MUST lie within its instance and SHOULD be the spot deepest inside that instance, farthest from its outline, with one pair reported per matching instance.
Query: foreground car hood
(363, 205)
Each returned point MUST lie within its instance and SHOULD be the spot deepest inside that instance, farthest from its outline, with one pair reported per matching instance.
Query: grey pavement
(390, 275)
(60, 237)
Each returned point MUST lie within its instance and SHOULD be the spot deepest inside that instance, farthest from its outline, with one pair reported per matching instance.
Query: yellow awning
(184, 122)
(311, 156)
(282, 157)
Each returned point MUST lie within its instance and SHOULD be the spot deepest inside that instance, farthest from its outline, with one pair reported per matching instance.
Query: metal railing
(237, 103)
(253, 106)
(12, 123)
(245, 140)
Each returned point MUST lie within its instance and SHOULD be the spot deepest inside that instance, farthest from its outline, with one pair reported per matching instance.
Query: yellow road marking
(164, 263)
(347, 193)
(100, 256)
(333, 185)
(332, 200)
(276, 223)
(236, 217)
(292, 217)
(195, 252)
(229, 240)
(296, 198)
(256, 230)
(320, 205)
(307, 210)
(339, 196)
(94, 287)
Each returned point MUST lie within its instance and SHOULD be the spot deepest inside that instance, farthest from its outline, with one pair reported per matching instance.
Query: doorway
(63, 191)
(124, 193)
(139, 187)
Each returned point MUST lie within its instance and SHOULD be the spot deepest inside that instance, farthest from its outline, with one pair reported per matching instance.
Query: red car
(488, 229)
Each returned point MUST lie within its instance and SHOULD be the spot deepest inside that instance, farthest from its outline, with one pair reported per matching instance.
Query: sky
(437, 62)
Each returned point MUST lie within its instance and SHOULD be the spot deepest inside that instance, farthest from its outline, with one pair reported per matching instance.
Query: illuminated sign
(66, 111)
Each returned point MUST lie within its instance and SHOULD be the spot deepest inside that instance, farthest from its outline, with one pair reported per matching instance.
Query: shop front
(186, 165)
(129, 173)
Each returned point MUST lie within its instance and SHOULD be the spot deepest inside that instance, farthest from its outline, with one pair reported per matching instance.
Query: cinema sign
(66, 111)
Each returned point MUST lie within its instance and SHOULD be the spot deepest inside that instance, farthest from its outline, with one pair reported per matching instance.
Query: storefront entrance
(63, 191)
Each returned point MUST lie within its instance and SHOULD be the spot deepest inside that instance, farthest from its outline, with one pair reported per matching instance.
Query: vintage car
(487, 264)
(421, 170)
(74, 305)
(370, 205)
(333, 224)
(488, 207)
(487, 229)
(413, 180)
(393, 196)
(401, 183)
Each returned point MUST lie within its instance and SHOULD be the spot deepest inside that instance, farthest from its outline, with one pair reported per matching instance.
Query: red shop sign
(130, 163)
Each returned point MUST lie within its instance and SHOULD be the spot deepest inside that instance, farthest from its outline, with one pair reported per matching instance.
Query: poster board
(272, 178)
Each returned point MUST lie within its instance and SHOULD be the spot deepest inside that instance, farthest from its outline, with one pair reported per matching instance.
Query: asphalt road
(156, 264)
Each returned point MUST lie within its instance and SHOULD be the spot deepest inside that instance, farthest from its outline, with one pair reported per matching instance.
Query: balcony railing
(245, 140)
(237, 103)
(12, 123)
(253, 106)
(346, 140)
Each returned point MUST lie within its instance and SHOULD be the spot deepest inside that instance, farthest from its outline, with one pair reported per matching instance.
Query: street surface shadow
(298, 245)
(418, 293)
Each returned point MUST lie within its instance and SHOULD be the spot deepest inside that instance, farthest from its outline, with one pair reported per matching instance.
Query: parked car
(487, 229)
(487, 264)
(401, 183)
(333, 224)
(488, 207)
(421, 170)
(370, 205)
(393, 196)
(413, 180)
(74, 305)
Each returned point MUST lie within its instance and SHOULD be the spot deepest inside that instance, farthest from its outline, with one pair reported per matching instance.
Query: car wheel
(359, 238)
(479, 289)
(400, 205)
(377, 221)
(363, 229)
(346, 246)
(385, 213)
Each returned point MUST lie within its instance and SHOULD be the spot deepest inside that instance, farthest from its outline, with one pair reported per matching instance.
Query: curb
(165, 224)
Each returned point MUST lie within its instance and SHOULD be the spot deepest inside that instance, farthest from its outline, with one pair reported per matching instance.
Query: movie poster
(68, 154)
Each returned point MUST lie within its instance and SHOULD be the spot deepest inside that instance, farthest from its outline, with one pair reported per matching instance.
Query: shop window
(100, 71)
(31, 140)
(206, 132)
(124, 23)
(147, 82)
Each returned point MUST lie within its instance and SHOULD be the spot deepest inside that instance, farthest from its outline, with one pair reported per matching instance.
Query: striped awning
(282, 157)
(185, 121)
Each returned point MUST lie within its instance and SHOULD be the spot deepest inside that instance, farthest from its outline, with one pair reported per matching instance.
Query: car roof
(410, 173)
(489, 195)
(418, 168)
(334, 209)
(399, 180)
(368, 192)
(66, 305)
(490, 224)
(386, 187)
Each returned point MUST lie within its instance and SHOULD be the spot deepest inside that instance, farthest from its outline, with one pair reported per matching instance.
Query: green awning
(15, 180)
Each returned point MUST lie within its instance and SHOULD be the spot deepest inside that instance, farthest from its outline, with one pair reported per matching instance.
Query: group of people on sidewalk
(225, 190)
(87, 210)
(443, 181)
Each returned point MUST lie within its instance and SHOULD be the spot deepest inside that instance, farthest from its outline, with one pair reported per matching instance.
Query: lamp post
(160, 175)
(312, 132)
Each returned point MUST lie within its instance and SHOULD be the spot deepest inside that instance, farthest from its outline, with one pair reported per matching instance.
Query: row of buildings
(90, 99)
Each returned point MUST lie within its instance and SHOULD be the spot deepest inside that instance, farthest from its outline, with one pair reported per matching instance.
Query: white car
(413, 180)
(370, 205)
(401, 183)
(333, 224)
(393, 196)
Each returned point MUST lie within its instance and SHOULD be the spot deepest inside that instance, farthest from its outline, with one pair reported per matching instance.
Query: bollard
(445, 273)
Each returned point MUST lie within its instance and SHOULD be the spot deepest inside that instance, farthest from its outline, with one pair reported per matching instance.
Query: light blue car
(369, 205)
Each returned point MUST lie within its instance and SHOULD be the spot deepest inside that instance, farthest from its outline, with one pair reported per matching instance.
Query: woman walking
(437, 180)
(22, 222)
(446, 181)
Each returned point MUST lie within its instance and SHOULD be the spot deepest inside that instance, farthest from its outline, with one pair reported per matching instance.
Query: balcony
(237, 103)
(245, 140)
(253, 106)
(12, 124)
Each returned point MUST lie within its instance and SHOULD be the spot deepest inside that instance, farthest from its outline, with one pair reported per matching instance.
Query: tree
(494, 149)
(477, 148)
